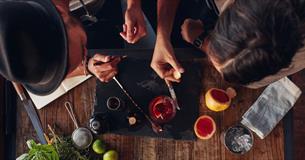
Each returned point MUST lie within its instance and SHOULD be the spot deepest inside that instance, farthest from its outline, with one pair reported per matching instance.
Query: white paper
(66, 85)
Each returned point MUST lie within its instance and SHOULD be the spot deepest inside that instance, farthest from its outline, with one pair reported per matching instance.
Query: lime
(111, 155)
(99, 147)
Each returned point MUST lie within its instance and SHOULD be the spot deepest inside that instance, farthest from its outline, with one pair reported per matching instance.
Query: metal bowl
(238, 139)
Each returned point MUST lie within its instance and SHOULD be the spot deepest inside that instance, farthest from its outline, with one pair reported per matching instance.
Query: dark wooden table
(136, 148)
(2, 111)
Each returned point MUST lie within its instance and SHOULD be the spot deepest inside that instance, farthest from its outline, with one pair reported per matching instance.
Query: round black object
(33, 48)
(99, 124)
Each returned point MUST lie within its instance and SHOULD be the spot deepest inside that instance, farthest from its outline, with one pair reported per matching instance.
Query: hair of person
(256, 38)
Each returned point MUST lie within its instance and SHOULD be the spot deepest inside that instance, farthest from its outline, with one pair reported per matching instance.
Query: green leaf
(30, 143)
(42, 152)
(23, 156)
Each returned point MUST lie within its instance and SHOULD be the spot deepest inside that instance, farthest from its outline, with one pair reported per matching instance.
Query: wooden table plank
(137, 148)
(298, 118)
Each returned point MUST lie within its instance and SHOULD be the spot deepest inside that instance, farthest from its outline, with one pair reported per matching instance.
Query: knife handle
(19, 90)
(168, 83)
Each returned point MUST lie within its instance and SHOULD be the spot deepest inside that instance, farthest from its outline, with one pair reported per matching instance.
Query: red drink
(162, 109)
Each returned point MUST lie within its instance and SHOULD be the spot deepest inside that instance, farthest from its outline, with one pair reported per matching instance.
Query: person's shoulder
(297, 64)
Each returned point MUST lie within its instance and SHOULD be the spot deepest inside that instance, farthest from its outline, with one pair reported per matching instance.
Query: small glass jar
(162, 109)
(115, 104)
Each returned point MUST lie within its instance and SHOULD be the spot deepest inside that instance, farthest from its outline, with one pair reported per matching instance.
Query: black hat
(33, 45)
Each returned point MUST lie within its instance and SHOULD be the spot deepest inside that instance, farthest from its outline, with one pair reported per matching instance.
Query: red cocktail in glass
(162, 109)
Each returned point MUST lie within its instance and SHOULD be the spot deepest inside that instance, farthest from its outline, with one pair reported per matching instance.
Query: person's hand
(164, 61)
(191, 29)
(103, 67)
(134, 27)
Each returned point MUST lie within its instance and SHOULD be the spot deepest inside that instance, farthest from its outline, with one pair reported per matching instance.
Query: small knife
(173, 94)
(29, 107)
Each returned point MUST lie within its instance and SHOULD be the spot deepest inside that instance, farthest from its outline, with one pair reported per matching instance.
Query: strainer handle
(69, 108)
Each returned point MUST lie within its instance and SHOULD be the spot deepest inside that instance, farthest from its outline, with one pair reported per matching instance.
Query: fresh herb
(58, 148)
(67, 151)
(40, 152)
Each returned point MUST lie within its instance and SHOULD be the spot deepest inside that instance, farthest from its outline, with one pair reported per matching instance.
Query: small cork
(132, 120)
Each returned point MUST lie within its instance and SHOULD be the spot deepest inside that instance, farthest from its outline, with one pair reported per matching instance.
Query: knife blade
(30, 109)
(173, 94)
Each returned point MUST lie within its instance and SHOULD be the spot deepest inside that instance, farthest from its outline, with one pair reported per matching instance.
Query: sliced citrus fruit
(217, 100)
(204, 127)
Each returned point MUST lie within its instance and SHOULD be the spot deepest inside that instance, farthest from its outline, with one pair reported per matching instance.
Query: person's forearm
(62, 3)
(79, 71)
(133, 3)
(166, 11)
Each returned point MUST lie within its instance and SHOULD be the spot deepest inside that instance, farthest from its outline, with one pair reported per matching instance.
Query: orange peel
(215, 103)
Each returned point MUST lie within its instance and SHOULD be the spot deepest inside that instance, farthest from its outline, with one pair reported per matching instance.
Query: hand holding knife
(176, 75)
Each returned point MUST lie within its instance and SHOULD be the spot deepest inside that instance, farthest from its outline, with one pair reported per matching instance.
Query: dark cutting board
(143, 84)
